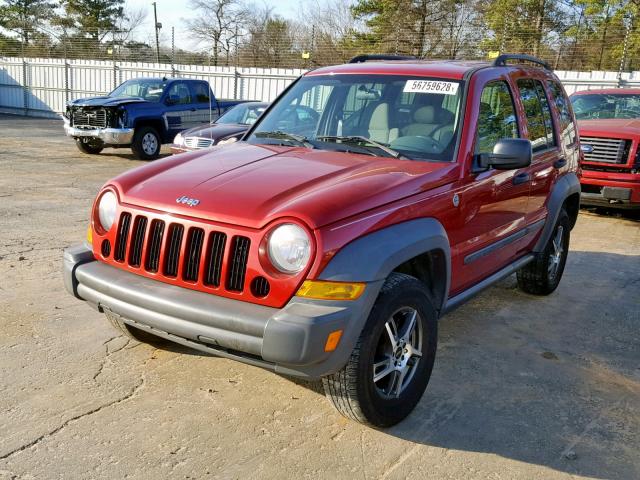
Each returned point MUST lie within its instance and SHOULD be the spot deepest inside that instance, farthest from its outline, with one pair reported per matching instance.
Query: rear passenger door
(547, 154)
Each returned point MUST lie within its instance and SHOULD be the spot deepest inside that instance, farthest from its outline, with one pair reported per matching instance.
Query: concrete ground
(523, 387)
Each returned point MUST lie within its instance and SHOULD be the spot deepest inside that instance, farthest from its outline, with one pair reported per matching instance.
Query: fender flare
(373, 257)
(565, 186)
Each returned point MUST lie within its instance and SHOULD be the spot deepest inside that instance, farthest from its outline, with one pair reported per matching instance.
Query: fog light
(332, 341)
(330, 290)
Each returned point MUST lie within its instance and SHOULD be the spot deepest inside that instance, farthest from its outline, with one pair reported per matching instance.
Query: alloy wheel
(398, 353)
(149, 144)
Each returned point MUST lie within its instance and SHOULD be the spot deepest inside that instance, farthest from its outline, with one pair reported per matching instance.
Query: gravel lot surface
(523, 387)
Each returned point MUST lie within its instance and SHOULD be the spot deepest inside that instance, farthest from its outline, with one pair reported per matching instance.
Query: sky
(174, 12)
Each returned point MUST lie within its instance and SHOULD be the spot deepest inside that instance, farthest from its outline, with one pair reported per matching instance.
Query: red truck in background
(609, 126)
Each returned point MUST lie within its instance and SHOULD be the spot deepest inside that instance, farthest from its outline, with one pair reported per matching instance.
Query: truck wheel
(146, 144)
(391, 363)
(91, 147)
(135, 334)
(543, 274)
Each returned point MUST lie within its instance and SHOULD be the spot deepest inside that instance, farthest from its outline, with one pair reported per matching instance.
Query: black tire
(146, 143)
(352, 390)
(542, 276)
(91, 147)
(135, 334)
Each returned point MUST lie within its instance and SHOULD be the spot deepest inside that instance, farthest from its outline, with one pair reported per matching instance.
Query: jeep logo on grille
(192, 202)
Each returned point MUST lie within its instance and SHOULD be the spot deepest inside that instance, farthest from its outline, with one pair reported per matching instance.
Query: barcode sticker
(431, 86)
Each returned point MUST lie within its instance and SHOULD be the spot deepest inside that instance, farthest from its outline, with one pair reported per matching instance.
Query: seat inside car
(379, 128)
(428, 120)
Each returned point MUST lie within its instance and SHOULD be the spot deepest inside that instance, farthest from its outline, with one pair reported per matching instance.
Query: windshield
(606, 106)
(243, 114)
(383, 115)
(148, 89)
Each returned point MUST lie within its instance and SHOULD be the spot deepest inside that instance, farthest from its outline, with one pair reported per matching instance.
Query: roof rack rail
(502, 60)
(374, 57)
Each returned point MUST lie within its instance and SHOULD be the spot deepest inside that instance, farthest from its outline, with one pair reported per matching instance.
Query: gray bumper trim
(110, 136)
(289, 340)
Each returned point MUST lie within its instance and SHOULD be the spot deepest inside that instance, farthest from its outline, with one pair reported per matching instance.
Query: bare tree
(218, 23)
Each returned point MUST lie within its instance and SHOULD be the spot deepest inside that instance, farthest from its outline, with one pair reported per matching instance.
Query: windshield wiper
(364, 140)
(279, 134)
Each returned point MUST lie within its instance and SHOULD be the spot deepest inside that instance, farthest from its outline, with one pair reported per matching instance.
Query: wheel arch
(419, 248)
(155, 123)
(565, 193)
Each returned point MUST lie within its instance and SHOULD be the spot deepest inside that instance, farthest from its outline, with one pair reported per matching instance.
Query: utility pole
(157, 26)
(628, 20)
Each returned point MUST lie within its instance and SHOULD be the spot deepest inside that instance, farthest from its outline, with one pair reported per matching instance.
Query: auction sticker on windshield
(431, 86)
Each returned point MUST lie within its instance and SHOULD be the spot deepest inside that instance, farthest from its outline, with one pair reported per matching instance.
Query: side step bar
(455, 302)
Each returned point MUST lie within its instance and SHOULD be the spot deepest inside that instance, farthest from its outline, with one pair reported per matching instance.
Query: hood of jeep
(252, 185)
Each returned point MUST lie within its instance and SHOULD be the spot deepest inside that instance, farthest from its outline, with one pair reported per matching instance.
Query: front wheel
(146, 143)
(390, 366)
(543, 274)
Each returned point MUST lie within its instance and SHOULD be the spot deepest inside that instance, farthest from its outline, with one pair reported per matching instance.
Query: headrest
(431, 114)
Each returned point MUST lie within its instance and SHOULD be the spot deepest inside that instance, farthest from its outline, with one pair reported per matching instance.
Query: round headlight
(289, 248)
(179, 139)
(107, 210)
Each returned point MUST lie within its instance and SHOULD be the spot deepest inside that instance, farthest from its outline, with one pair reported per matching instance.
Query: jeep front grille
(606, 150)
(89, 118)
(190, 254)
(197, 142)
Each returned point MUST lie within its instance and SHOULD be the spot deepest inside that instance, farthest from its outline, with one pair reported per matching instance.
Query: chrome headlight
(179, 139)
(289, 248)
(107, 210)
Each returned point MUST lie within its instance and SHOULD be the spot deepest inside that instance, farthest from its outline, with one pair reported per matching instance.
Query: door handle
(193, 109)
(561, 162)
(521, 178)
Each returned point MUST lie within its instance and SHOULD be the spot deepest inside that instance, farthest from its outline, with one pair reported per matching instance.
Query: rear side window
(567, 127)
(200, 92)
(538, 113)
(497, 116)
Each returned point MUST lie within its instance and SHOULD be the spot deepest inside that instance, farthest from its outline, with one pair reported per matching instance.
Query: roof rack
(374, 57)
(502, 60)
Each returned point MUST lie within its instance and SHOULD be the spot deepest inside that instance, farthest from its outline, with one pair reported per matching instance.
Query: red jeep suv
(327, 245)
(609, 126)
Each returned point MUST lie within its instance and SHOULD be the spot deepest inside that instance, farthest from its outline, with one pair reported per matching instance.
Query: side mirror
(508, 154)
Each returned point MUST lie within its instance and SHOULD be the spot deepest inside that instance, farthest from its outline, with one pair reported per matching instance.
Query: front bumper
(606, 192)
(110, 136)
(175, 149)
(290, 340)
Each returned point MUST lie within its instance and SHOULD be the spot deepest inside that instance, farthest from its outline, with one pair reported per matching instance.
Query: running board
(455, 302)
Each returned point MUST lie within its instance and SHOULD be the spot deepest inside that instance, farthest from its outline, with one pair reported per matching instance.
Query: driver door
(494, 202)
(181, 113)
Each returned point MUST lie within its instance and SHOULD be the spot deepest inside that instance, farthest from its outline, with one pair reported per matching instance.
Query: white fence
(41, 86)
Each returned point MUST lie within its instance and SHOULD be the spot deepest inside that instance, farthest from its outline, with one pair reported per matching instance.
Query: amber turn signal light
(332, 341)
(330, 290)
(90, 235)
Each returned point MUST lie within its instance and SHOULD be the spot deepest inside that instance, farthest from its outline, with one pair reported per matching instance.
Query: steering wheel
(439, 147)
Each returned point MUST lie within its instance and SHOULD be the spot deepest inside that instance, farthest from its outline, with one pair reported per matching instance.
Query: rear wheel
(542, 276)
(146, 143)
(135, 334)
(89, 146)
(391, 363)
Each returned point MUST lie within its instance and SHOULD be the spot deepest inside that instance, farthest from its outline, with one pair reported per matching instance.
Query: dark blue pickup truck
(142, 114)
